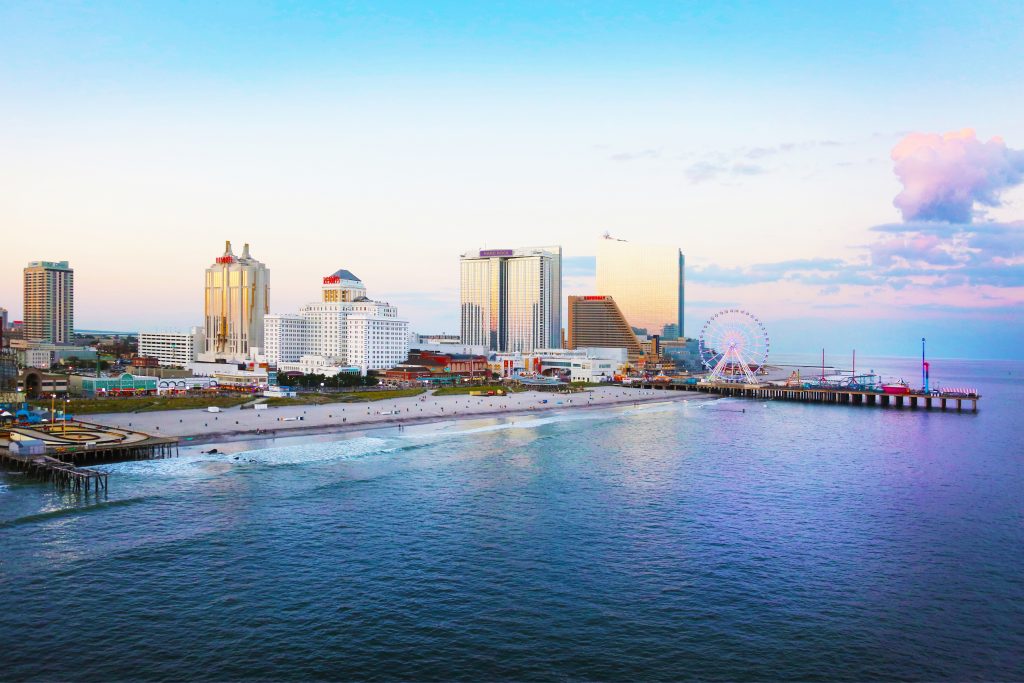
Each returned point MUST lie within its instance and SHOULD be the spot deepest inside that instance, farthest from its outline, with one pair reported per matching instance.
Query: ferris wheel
(733, 346)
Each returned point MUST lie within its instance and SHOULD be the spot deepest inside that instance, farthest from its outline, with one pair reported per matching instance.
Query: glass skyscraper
(646, 282)
(511, 299)
(237, 296)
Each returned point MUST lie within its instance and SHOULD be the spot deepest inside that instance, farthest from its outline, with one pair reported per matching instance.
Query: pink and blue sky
(854, 174)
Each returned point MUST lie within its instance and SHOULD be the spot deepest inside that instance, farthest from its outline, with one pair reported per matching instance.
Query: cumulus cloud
(945, 175)
(945, 178)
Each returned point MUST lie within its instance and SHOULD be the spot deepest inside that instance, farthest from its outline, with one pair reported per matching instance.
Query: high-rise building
(596, 321)
(49, 302)
(237, 298)
(511, 299)
(344, 329)
(646, 282)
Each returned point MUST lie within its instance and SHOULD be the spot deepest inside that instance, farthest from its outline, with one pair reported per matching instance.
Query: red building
(405, 373)
(449, 363)
(426, 364)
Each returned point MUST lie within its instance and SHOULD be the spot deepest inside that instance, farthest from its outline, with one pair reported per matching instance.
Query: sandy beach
(200, 426)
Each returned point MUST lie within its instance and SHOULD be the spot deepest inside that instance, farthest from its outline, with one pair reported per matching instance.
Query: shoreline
(196, 428)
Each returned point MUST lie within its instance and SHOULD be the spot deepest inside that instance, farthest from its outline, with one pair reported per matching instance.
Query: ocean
(717, 540)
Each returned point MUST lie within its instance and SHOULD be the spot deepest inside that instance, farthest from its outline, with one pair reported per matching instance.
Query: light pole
(53, 414)
(67, 402)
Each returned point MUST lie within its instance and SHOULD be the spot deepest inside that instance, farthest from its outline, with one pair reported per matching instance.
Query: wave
(316, 452)
(450, 429)
(355, 447)
(71, 511)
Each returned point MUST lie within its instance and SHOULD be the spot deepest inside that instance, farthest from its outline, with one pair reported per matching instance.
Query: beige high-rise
(237, 297)
(595, 321)
(49, 297)
(646, 282)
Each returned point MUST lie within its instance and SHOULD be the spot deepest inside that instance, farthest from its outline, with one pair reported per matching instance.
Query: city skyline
(799, 183)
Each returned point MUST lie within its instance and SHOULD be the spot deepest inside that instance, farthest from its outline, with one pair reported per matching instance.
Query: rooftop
(343, 274)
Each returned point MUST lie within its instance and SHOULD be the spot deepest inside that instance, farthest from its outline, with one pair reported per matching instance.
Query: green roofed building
(125, 385)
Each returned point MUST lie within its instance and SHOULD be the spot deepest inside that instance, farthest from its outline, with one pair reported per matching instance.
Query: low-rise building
(406, 372)
(462, 364)
(431, 365)
(173, 349)
(33, 383)
(685, 353)
(42, 355)
(573, 365)
(415, 339)
(36, 358)
(445, 344)
(317, 365)
(123, 385)
(159, 372)
(184, 385)
(250, 376)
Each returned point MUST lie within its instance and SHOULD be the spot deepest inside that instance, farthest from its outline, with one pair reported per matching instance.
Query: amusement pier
(958, 400)
(734, 347)
(59, 452)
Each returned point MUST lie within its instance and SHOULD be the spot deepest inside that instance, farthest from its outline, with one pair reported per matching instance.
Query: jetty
(60, 452)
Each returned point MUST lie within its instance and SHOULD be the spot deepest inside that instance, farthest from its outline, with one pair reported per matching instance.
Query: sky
(852, 175)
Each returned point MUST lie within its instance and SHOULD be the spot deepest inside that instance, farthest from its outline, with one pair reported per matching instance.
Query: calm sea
(725, 540)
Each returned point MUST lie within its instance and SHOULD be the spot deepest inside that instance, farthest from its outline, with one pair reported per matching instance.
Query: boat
(896, 388)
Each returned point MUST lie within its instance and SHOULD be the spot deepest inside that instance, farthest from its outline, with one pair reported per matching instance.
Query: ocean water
(720, 540)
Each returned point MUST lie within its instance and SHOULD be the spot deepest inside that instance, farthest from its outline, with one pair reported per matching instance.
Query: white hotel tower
(344, 329)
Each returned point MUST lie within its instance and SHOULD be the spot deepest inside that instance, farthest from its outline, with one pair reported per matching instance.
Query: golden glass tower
(237, 298)
(646, 282)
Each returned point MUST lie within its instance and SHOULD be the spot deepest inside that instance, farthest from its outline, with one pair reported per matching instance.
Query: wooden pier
(72, 446)
(65, 476)
(837, 395)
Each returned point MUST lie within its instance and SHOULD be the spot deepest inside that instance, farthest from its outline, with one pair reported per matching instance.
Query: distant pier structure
(60, 452)
(734, 349)
(952, 399)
